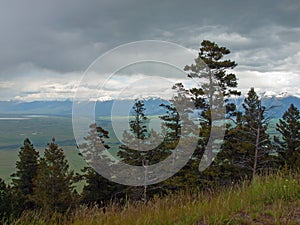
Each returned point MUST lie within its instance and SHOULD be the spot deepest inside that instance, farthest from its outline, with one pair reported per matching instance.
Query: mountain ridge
(104, 108)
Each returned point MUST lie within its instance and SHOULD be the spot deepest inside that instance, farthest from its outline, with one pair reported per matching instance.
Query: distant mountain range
(64, 108)
(275, 107)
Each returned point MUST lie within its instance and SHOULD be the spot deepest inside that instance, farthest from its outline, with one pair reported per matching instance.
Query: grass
(274, 199)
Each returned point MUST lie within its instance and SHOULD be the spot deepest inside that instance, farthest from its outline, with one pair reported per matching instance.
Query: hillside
(274, 199)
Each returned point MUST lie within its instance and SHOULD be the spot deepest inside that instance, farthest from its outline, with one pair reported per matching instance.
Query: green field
(41, 129)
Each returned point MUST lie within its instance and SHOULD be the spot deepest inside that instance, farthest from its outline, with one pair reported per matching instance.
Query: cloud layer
(46, 46)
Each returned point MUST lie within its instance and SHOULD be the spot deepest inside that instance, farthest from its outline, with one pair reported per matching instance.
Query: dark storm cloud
(67, 35)
(63, 37)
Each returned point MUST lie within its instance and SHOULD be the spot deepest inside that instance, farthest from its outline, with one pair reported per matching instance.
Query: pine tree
(210, 66)
(288, 145)
(256, 128)
(26, 172)
(180, 127)
(217, 86)
(54, 182)
(97, 189)
(141, 148)
(131, 151)
(248, 146)
(172, 123)
(93, 149)
(233, 163)
(5, 202)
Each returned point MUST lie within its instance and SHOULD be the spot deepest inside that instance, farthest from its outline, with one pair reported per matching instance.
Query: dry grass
(274, 199)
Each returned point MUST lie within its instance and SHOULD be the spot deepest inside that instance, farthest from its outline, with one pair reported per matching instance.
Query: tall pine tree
(53, 188)
(211, 55)
(213, 71)
(248, 144)
(26, 171)
(131, 151)
(97, 190)
(288, 144)
(141, 148)
(180, 131)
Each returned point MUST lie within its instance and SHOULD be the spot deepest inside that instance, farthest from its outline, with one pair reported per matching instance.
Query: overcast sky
(45, 46)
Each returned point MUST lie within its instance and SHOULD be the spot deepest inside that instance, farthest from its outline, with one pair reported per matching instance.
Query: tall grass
(273, 199)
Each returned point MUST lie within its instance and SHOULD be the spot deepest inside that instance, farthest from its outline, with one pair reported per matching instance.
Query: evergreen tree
(94, 147)
(141, 148)
(247, 147)
(172, 123)
(180, 127)
(131, 151)
(288, 145)
(233, 162)
(217, 86)
(5, 202)
(54, 182)
(211, 55)
(256, 129)
(26, 172)
(97, 189)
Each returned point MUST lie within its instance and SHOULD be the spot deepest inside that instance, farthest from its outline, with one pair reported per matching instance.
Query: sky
(45, 46)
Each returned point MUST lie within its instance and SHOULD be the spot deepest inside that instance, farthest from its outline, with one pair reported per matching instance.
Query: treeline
(48, 184)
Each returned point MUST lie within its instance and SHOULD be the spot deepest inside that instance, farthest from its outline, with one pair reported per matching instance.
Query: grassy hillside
(274, 199)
